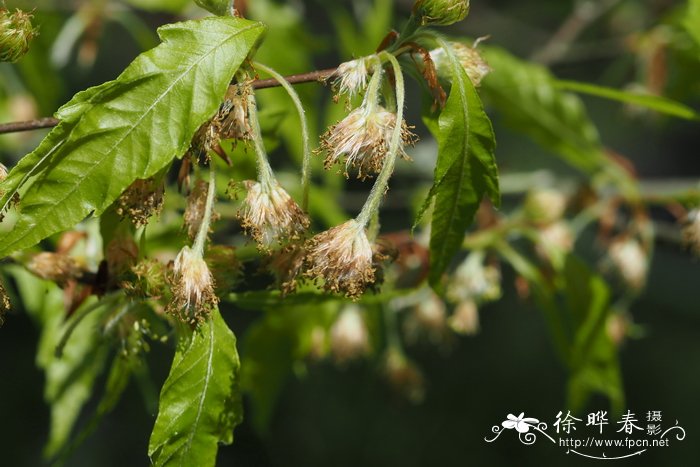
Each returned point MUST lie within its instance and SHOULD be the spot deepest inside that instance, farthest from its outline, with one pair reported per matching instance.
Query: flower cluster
(270, 215)
(470, 59)
(362, 138)
(16, 32)
(342, 258)
(193, 288)
(142, 200)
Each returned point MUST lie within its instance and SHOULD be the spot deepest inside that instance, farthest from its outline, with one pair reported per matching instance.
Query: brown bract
(342, 258)
(194, 212)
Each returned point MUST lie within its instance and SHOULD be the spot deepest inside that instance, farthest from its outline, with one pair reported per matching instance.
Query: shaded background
(347, 416)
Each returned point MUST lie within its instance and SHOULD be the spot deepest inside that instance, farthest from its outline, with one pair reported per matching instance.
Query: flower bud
(474, 280)
(545, 206)
(349, 336)
(465, 318)
(149, 279)
(554, 242)
(631, 262)
(691, 231)
(351, 77)
(470, 59)
(427, 319)
(16, 32)
(440, 12)
(194, 211)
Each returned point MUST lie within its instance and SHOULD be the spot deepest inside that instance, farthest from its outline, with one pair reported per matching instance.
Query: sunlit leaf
(657, 103)
(530, 102)
(200, 401)
(465, 171)
(130, 128)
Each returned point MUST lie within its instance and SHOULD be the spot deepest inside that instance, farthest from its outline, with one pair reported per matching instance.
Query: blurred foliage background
(317, 413)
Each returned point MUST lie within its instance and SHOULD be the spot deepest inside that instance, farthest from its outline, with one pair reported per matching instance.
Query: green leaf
(657, 103)
(465, 170)
(200, 402)
(530, 102)
(127, 129)
(71, 377)
(691, 20)
(593, 361)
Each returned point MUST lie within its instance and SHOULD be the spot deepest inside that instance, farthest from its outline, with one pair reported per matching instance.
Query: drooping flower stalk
(193, 283)
(381, 184)
(268, 213)
(306, 159)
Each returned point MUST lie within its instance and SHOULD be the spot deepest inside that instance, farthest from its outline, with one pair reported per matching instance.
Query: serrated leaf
(658, 103)
(200, 402)
(527, 97)
(128, 129)
(465, 171)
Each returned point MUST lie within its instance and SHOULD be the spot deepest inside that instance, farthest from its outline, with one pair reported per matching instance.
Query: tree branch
(48, 122)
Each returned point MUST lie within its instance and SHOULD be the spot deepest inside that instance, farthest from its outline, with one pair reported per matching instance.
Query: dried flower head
(143, 199)
(465, 318)
(554, 242)
(474, 280)
(270, 215)
(286, 265)
(349, 336)
(193, 288)
(16, 32)
(363, 139)
(149, 279)
(691, 231)
(121, 255)
(630, 261)
(545, 206)
(428, 319)
(57, 267)
(470, 59)
(233, 115)
(194, 212)
(440, 12)
(404, 376)
(351, 77)
(342, 258)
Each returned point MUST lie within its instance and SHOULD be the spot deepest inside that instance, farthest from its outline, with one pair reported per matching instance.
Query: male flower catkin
(270, 215)
(342, 258)
(16, 32)
(363, 139)
(351, 77)
(193, 288)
